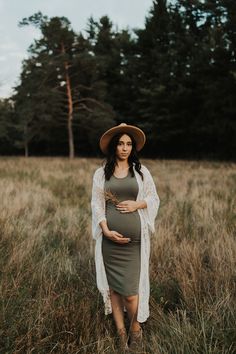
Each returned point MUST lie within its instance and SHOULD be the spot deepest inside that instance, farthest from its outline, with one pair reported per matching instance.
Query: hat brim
(136, 133)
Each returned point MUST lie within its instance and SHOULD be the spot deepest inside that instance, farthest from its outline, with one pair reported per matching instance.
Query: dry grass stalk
(111, 197)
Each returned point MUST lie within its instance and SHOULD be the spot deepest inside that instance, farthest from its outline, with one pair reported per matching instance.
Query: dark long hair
(111, 157)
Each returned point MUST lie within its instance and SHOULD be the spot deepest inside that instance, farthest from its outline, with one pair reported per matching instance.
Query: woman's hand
(127, 206)
(116, 237)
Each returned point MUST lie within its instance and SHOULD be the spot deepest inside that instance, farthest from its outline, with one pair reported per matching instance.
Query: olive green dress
(122, 261)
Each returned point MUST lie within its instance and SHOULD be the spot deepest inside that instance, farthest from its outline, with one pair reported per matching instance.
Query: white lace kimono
(147, 192)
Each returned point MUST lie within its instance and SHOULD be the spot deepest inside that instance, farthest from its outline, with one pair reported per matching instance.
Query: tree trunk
(26, 149)
(70, 109)
(26, 142)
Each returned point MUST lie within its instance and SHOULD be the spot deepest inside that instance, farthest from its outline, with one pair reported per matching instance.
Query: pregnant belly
(127, 224)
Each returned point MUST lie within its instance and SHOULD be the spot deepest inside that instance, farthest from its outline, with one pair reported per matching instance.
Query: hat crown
(136, 132)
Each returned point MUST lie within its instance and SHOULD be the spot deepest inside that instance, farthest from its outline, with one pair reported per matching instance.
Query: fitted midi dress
(122, 261)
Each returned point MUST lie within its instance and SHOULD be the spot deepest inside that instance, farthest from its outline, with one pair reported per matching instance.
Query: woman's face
(124, 147)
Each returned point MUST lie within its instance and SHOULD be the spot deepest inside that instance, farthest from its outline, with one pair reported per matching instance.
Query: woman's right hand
(116, 237)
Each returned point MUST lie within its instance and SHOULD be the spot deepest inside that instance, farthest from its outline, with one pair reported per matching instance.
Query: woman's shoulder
(99, 172)
(144, 169)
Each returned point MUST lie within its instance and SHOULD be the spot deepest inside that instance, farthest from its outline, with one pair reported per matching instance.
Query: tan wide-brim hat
(136, 133)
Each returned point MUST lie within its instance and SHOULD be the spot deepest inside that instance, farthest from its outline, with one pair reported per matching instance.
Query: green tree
(6, 125)
(37, 105)
(61, 84)
(55, 47)
(113, 50)
(154, 70)
(185, 78)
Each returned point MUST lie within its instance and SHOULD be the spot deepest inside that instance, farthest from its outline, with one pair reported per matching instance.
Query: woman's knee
(130, 298)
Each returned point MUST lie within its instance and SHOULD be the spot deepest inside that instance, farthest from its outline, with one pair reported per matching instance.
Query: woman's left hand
(127, 206)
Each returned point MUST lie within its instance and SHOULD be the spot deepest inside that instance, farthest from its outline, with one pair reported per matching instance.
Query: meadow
(48, 295)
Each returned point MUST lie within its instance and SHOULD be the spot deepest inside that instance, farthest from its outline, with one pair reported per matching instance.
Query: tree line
(175, 79)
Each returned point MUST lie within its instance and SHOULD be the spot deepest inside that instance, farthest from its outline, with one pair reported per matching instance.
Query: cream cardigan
(147, 192)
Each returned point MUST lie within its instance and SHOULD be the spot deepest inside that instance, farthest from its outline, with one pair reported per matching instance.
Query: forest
(175, 78)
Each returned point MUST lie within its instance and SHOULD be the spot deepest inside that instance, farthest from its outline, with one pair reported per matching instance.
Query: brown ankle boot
(122, 340)
(136, 341)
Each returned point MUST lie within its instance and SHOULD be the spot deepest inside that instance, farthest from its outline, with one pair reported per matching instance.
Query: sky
(14, 41)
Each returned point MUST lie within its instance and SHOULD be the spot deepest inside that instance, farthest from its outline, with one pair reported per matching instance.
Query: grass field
(48, 296)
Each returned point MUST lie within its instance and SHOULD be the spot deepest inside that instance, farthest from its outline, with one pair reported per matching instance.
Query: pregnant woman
(124, 207)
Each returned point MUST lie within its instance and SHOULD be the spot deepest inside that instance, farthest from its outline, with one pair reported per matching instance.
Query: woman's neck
(122, 165)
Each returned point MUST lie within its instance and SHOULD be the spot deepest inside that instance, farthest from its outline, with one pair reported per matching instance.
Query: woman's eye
(129, 144)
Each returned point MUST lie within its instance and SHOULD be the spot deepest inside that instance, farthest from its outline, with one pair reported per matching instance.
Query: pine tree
(63, 74)
(6, 125)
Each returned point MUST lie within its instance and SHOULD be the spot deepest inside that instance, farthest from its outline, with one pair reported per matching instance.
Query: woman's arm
(97, 204)
(113, 235)
(151, 198)
(128, 206)
(104, 227)
(141, 204)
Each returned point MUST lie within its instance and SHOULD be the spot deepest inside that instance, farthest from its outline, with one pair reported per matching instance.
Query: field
(48, 296)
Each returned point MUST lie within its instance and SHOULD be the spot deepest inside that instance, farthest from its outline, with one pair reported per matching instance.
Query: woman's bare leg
(131, 304)
(117, 309)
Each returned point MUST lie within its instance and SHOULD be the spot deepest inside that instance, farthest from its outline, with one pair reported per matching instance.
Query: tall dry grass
(49, 301)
